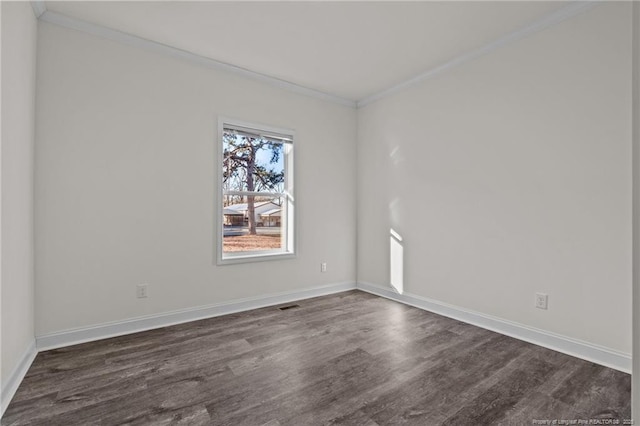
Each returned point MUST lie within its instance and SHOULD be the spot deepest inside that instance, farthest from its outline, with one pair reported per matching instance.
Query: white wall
(18, 100)
(635, 386)
(125, 183)
(506, 176)
(511, 175)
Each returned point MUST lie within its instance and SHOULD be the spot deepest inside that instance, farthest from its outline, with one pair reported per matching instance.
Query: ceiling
(347, 49)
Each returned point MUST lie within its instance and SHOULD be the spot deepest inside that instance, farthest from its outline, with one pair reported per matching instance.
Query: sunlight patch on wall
(396, 260)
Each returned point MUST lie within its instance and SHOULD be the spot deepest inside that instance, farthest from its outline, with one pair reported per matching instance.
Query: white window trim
(292, 220)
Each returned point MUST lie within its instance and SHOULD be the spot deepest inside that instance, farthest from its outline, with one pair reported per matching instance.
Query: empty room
(319, 213)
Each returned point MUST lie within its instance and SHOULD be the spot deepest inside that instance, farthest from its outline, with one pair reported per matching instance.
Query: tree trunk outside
(251, 206)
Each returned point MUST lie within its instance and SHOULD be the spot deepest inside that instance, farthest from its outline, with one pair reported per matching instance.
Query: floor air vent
(284, 308)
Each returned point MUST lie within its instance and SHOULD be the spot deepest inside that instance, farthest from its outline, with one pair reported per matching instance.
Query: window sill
(255, 257)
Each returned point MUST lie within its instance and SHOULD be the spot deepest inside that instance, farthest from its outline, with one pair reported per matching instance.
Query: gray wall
(506, 176)
(18, 98)
(126, 183)
(511, 175)
(636, 212)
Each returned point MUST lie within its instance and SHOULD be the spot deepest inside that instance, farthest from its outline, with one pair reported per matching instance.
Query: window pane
(265, 232)
(251, 163)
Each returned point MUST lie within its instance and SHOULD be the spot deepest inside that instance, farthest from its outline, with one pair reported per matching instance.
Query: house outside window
(256, 198)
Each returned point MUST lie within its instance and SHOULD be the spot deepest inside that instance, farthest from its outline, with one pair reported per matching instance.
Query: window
(256, 203)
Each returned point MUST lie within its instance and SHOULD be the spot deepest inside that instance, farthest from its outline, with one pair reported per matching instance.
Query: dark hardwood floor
(350, 358)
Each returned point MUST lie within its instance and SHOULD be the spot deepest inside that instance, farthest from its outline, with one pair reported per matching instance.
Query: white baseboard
(574, 347)
(149, 322)
(13, 382)
(580, 349)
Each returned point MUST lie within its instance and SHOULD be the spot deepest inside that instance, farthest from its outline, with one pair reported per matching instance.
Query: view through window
(257, 192)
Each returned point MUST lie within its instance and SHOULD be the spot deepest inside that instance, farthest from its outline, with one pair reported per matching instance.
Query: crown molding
(39, 8)
(153, 46)
(547, 21)
(575, 8)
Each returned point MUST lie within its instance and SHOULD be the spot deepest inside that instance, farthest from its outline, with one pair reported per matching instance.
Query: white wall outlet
(323, 267)
(542, 300)
(141, 291)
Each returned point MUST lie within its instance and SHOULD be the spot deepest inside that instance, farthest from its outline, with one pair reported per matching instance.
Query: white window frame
(288, 222)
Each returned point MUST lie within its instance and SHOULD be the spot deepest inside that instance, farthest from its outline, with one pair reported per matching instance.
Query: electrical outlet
(542, 300)
(323, 267)
(141, 291)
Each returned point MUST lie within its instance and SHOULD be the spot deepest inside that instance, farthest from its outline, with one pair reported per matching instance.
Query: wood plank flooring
(345, 359)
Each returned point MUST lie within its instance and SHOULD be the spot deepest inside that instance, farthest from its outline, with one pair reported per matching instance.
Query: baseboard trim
(574, 347)
(149, 322)
(12, 384)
